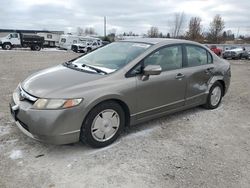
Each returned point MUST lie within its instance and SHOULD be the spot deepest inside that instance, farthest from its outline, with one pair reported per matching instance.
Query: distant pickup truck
(86, 46)
(216, 50)
(19, 40)
(234, 53)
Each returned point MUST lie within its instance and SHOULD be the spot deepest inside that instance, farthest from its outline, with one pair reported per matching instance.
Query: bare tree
(79, 31)
(178, 24)
(216, 28)
(194, 29)
(89, 31)
(153, 32)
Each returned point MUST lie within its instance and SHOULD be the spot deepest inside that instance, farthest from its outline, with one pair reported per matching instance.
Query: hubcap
(215, 96)
(105, 125)
(7, 46)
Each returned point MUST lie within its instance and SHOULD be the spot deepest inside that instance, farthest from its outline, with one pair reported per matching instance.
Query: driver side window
(169, 58)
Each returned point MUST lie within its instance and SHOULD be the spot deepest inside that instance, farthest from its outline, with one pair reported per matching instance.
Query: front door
(14, 39)
(157, 94)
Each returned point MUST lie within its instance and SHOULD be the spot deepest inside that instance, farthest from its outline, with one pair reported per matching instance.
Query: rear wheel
(214, 96)
(37, 48)
(103, 124)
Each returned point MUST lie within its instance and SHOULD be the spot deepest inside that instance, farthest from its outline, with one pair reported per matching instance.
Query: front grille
(23, 125)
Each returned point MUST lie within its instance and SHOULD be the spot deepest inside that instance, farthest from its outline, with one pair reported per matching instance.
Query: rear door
(199, 70)
(157, 94)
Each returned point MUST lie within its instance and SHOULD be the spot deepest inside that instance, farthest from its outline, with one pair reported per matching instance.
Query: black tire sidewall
(208, 104)
(86, 135)
(37, 48)
(4, 46)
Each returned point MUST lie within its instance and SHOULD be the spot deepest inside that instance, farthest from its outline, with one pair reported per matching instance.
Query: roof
(158, 40)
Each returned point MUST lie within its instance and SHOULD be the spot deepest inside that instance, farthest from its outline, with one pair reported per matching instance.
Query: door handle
(179, 76)
(209, 70)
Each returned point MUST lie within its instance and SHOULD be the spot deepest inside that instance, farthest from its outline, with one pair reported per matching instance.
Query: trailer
(66, 41)
(19, 40)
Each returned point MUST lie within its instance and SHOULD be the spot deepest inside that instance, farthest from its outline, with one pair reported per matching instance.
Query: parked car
(121, 84)
(104, 43)
(216, 50)
(233, 53)
(19, 40)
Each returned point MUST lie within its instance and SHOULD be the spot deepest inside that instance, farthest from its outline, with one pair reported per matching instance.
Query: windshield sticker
(141, 45)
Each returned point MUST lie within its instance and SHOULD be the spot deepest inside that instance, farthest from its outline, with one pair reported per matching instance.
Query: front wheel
(7, 46)
(103, 124)
(214, 96)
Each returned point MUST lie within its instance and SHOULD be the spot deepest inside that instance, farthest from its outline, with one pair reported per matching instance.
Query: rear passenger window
(197, 56)
(169, 58)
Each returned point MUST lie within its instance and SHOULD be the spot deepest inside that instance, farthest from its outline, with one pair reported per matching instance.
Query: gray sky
(123, 15)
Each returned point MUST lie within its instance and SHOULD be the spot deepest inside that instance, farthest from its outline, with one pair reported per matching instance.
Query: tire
(214, 101)
(103, 124)
(7, 46)
(240, 56)
(37, 48)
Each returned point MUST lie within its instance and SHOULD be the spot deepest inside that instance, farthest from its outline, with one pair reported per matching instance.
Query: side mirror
(152, 70)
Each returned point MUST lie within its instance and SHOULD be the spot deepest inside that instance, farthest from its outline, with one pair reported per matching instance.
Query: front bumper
(230, 55)
(49, 126)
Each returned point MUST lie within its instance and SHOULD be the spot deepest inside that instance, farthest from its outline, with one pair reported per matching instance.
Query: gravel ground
(193, 148)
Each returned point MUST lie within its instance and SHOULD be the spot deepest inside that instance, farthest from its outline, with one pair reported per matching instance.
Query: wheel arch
(118, 100)
(6, 43)
(217, 79)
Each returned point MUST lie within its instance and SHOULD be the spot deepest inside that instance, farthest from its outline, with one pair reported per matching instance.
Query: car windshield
(112, 57)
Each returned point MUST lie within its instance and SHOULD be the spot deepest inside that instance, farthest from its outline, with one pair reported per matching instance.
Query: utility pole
(104, 26)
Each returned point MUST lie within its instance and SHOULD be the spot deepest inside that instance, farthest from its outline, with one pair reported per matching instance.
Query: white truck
(66, 42)
(233, 53)
(87, 45)
(19, 40)
(50, 39)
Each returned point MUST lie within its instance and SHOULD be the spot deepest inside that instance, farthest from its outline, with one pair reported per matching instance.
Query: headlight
(56, 103)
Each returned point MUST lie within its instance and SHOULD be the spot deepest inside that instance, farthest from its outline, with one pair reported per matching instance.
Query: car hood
(58, 82)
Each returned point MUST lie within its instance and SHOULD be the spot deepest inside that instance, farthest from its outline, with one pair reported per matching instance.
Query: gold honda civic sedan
(93, 97)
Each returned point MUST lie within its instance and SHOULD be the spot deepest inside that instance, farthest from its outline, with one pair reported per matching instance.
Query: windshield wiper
(94, 68)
